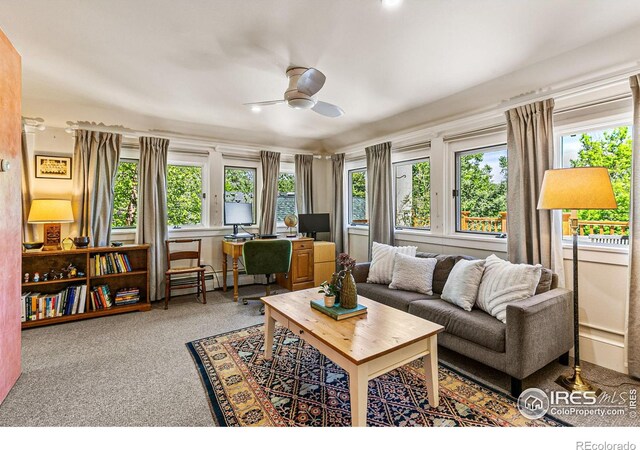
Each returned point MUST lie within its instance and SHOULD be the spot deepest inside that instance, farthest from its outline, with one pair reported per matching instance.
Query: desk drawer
(302, 245)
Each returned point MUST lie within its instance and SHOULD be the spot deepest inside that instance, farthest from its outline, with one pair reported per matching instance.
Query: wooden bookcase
(41, 261)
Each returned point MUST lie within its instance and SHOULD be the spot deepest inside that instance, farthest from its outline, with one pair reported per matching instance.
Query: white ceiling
(186, 66)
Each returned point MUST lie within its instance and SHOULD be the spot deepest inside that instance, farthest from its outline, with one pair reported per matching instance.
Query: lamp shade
(50, 210)
(577, 188)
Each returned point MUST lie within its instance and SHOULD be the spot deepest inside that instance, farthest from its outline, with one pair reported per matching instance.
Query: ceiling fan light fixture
(391, 4)
(300, 103)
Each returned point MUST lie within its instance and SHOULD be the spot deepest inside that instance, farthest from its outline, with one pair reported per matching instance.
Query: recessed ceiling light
(256, 109)
(391, 4)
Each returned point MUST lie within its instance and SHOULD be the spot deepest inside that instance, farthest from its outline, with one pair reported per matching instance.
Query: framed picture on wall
(53, 167)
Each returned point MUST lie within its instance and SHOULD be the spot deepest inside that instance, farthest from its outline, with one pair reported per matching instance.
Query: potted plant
(329, 290)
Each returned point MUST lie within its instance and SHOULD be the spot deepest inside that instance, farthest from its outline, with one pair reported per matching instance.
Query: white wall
(55, 141)
(603, 273)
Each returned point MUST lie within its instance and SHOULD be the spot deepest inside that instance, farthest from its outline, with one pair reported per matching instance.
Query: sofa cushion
(382, 261)
(443, 268)
(475, 325)
(413, 274)
(394, 298)
(503, 283)
(461, 288)
(544, 285)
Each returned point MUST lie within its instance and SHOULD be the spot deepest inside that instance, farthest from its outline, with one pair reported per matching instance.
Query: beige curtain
(28, 231)
(337, 219)
(270, 172)
(633, 323)
(304, 188)
(95, 163)
(379, 194)
(152, 209)
(531, 235)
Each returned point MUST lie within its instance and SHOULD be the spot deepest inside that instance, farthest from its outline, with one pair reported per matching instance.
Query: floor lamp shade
(577, 188)
(574, 189)
(51, 213)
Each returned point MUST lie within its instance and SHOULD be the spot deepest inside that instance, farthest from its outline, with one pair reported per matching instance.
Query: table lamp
(51, 213)
(574, 189)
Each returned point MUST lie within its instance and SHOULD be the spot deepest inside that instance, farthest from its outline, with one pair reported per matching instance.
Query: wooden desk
(300, 275)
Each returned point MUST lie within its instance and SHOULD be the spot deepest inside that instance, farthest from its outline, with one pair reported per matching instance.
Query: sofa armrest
(539, 330)
(361, 272)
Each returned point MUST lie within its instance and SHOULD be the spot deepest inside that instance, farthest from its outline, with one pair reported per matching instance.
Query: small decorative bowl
(32, 245)
(81, 242)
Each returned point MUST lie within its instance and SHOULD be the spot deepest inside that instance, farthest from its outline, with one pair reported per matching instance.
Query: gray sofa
(538, 329)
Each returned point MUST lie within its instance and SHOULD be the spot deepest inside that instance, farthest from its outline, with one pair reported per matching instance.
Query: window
(358, 197)
(240, 186)
(481, 190)
(286, 202)
(125, 200)
(413, 194)
(610, 148)
(184, 195)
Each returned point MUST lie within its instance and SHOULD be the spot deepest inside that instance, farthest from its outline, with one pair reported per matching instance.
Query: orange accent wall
(10, 216)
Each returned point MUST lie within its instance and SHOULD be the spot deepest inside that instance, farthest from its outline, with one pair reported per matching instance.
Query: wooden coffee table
(365, 346)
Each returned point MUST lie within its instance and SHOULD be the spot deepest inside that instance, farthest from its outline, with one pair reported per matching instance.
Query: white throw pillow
(382, 259)
(503, 283)
(413, 274)
(463, 282)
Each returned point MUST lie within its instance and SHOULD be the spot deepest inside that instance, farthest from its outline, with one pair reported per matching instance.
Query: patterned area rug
(301, 387)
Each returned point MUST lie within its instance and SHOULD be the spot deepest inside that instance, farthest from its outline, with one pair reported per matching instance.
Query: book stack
(127, 296)
(110, 263)
(71, 300)
(100, 297)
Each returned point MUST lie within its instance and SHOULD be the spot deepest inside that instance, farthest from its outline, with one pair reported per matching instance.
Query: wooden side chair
(266, 257)
(182, 277)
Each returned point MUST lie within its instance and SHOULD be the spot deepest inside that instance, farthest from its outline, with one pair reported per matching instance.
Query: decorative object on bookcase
(124, 289)
(51, 213)
(81, 241)
(32, 245)
(348, 291)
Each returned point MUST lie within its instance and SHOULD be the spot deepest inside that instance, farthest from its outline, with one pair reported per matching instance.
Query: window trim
(394, 187)
(456, 186)
(204, 195)
(134, 227)
(255, 191)
(350, 197)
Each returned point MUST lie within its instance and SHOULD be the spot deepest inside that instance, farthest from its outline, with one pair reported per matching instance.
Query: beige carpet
(135, 370)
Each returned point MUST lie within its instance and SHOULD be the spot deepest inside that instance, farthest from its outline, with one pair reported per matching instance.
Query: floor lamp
(574, 189)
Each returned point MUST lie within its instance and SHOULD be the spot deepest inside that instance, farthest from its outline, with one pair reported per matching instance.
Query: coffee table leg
(430, 362)
(269, 325)
(358, 386)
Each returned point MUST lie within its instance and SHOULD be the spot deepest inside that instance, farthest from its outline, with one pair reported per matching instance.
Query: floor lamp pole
(575, 382)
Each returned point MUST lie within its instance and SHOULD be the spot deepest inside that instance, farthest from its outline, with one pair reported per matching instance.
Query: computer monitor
(313, 223)
(238, 214)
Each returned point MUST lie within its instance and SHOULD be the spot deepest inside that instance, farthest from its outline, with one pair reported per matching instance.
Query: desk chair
(266, 257)
(182, 277)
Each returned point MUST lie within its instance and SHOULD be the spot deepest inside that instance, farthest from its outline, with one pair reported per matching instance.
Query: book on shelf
(338, 312)
(127, 296)
(110, 263)
(69, 301)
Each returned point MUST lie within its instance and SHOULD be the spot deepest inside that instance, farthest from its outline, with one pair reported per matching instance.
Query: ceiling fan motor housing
(293, 97)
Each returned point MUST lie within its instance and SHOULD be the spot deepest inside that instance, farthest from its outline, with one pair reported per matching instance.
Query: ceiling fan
(304, 83)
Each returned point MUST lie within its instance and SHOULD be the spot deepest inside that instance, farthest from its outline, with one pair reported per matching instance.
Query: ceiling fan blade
(267, 103)
(327, 109)
(311, 81)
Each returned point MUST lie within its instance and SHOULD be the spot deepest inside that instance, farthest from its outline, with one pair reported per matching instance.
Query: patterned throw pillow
(461, 288)
(503, 283)
(413, 274)
(382, 260)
